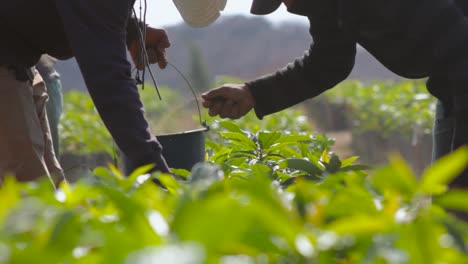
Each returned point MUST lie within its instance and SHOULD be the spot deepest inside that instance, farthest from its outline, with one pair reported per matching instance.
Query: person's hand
(229, 101)
(156, 44)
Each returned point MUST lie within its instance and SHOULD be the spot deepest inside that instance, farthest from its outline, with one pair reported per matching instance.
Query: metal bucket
(181, 150)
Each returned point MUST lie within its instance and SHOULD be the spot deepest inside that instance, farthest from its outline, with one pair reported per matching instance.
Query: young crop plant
(385, 217)
(285, 157)
(274, 195)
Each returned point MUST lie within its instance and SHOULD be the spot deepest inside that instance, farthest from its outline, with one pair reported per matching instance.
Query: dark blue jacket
(94, 32)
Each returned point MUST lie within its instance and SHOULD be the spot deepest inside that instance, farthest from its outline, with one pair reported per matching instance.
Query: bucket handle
(145, 56)
(202, 123)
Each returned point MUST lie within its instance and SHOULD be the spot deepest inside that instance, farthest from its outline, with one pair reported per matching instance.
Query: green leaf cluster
(263, 197)
(82, 131)
(403, 107)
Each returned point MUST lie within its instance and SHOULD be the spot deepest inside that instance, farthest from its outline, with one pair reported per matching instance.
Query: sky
(164, 13)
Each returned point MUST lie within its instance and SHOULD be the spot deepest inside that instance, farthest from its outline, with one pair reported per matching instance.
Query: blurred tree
(199, 74)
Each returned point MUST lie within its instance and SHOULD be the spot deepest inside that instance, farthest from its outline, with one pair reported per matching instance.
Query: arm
(96, 31)
(328, 62)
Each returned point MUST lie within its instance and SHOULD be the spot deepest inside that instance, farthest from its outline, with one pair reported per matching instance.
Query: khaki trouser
(26, 148)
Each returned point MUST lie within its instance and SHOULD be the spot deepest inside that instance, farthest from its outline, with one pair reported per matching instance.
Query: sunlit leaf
(239, 138)
(9, 193)
(231, 126)
(268, 138)
(325, 158)
(362, 225)
(454, 199)
(436, 178)
(261, 170)
(349, 161)
(137, 173)
(456, 230)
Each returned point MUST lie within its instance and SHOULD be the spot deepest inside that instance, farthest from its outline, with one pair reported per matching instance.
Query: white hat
(200, 13)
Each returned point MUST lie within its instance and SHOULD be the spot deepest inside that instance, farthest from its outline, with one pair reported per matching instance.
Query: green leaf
(458, 233)
(140, 171)
(416, 238)
(455, 199)
(65, 235)
(436, 178)
(244, 153)
(362, 225)
(295, 138)
(301, 164)
(168, 182)
(240, 139)
(261, 170)
(281, 146)
(231, 126)
(355, 168)
(325, 158)
(349, 161)
(106, 175)
(268, 138)
(118, 174)
(10, 194)
(397, 177)
(183, 173)
(221, 155)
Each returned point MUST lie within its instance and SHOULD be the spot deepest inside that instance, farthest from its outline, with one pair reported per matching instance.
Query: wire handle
(145, 56)
(202, 123)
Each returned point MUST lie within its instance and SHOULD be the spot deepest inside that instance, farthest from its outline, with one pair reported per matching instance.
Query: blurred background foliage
(375, 119)
(271, 191)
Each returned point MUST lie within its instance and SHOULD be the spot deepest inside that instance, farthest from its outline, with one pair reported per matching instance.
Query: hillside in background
(244, 47)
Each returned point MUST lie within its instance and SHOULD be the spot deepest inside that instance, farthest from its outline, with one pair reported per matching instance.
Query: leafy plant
(82, 130)
(403, 107)
(216, 216)
(283, 156)
(270, 193)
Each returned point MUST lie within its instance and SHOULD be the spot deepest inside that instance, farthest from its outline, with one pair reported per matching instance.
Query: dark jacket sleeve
(328, 61)
(97, 34)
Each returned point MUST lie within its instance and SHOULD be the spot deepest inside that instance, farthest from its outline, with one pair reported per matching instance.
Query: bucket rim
(194, 131)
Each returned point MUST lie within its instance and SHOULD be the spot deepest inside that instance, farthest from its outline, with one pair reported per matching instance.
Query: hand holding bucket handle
(180, 150)
(156, 43)
(229, 101)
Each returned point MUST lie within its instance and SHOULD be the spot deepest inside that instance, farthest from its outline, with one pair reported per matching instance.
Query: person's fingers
(152, 55)
(165, 43)
(136, 55)
(207, 103)
(157, 36)
(226, 109)
(228, 101)
(215, 109)
(221, 93)
(234, 112)
(157, 56)
(162, 59)
(163, 39)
